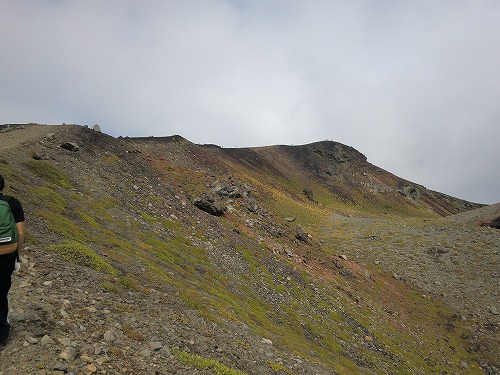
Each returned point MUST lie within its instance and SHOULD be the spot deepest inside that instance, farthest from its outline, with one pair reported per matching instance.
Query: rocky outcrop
(70, 146)
(221, 193)
(211, 204)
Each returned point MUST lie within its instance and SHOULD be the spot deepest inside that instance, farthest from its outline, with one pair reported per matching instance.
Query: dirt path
(14, 136)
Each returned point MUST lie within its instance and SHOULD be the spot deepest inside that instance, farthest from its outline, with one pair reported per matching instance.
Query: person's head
(2, 183)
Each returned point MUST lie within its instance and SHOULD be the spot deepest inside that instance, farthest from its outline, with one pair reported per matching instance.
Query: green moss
(63, 226)
(148, 218)
(48, 198)
(111, 158)
(202, 363)
(88, 219)
(279, 368)
(178, 253)
(77, 252)
(128, 282)
(173, 225)
(12, 176)
(99, 207)
(110, 288)
(49, 172)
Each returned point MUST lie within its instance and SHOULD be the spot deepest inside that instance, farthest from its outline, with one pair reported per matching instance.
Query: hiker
(11, 244)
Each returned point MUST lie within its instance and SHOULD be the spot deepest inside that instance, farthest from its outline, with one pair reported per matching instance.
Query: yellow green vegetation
(110, 287)
(48, 171)
(11, 175)
(279, 298)
(279, 368)
(77, 252)
(88, 219)
(64, 226)
(52, 200)
(202, 363)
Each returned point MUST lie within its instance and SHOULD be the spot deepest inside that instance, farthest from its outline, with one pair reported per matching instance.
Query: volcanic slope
(160, 256)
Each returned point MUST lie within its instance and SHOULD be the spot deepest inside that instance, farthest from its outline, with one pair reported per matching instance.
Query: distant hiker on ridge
(11, 244)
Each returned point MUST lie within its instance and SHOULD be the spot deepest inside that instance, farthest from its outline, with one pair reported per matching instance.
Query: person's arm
(20, 236)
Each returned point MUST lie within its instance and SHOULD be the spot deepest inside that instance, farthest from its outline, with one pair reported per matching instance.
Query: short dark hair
(2, 182)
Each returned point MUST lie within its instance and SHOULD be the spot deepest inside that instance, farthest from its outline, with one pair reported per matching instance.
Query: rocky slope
(160, 256)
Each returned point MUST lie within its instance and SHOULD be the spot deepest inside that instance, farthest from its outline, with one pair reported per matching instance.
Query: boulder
(210, 205)
(411, 192)
(301, 234)
(70, 146)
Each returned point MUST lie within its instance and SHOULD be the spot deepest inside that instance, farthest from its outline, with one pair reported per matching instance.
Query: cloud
(413, 85)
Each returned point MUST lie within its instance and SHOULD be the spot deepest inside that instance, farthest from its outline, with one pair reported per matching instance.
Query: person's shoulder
(10, 199)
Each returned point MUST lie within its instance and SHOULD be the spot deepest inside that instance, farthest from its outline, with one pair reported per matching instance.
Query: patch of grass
(88, 219)
(179, 253)
(63, 226)
(202, 363)
(51, 200)
(48, 171)
(148, 218)
(77, 252)
(12, 176)
(111, 158)
(103, 203)
(110, 288)
(128, 282)
(133, 333)
(170, 224)
(278, 367)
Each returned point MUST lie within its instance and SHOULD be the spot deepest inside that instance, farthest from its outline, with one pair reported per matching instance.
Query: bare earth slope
(485, 216)
(160, 256)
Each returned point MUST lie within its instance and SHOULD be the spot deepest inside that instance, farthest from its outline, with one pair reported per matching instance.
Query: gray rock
(411, 192)
(155, 345)
(70, 146)
(65, 341)
(210, 205)
(266, 341)
(60, 366)
(68, 354)
(252, 204)
(109, 336)
(46, 340)
(165, 350)
(301, 234)
(309, 194)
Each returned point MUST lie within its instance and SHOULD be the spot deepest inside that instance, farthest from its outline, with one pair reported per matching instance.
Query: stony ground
(64, 322)
(71, 319)
(459, 264)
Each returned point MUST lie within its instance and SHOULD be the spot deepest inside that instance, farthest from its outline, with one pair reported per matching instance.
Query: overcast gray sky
(414, 85)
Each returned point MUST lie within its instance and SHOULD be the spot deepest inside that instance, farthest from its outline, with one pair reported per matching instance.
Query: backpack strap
(8, 199)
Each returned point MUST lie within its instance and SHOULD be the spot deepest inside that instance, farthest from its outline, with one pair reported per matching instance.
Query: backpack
(8, 230)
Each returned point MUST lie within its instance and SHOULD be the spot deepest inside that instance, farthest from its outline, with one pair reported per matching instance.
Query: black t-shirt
(15, 207)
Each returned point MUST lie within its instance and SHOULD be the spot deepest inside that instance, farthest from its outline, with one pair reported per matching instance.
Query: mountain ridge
(311, 256)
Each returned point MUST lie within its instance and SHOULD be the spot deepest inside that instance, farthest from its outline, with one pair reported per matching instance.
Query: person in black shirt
(8, 255)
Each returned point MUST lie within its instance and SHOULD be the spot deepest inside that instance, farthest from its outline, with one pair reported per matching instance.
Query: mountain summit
(161, 256)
